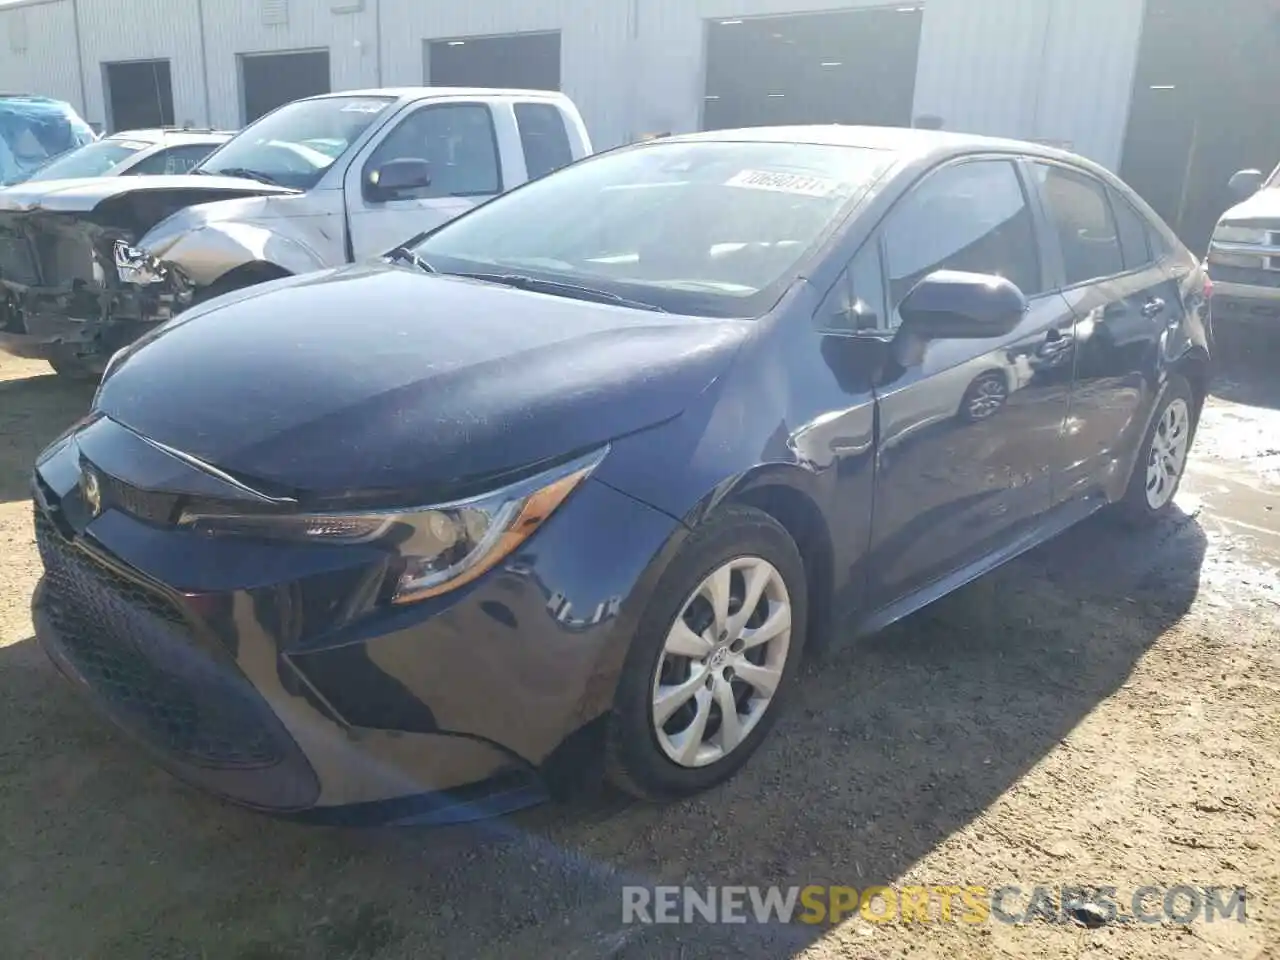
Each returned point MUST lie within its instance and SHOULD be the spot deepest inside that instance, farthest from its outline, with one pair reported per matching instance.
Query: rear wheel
(712, 660)
(1162, 461)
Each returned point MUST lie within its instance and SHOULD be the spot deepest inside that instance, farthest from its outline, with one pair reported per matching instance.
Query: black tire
(1134, 507)
(70, 367)
(635, 762)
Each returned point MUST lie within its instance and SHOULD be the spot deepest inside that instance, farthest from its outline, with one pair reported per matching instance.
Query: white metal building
(1050, 69)
(1174, 94)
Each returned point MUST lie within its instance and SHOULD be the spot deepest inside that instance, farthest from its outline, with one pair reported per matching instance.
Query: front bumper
(1245, 295)
(88, 323)
(263, 674)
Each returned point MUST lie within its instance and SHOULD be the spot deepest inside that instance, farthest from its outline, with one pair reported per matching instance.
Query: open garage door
(139, 94)
(270, 80)
(855, 66)
(525, 61)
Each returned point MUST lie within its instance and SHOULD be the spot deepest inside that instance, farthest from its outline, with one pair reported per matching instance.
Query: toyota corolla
(584, 472)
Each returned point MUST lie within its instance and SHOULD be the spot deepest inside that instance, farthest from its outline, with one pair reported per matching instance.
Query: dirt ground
(1104, 711)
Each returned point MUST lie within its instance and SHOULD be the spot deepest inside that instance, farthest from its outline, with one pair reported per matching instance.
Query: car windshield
(295, 145)
(33, 133)
(91, 160)
(705, 228)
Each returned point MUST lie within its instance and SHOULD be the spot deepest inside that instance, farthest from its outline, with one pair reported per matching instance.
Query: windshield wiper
(576, 290)
(403, 254)
(246, 174)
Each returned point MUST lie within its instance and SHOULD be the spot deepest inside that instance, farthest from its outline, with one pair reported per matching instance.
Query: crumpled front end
(74, 290)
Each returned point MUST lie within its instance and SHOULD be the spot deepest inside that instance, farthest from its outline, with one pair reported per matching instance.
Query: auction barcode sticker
(784, 183)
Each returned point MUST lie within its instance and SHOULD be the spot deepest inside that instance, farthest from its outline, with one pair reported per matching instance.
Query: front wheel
(713, 657)
(69, 366)
(1162, 460)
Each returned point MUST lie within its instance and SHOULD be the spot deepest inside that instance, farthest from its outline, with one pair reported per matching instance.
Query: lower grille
(133, 646)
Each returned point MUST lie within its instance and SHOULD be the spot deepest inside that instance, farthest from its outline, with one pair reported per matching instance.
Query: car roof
(910, 143)
(424, 93)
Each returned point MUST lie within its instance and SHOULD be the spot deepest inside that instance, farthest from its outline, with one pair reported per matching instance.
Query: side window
(856, 302)
(457, 140)
(971, 216)
(172, 161)
(1081, 215)
(1134, 233)
(543, 137)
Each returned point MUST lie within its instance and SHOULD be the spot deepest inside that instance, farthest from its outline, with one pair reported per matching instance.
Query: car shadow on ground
(33, 411)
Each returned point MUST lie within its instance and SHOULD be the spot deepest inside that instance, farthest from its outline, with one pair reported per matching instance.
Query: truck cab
(315, 184)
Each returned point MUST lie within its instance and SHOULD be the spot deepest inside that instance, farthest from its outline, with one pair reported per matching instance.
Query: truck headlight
(1230, 234)
(136, 267)
(438, 548)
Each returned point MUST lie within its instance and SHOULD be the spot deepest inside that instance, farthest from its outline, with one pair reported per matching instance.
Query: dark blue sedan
(582, 473)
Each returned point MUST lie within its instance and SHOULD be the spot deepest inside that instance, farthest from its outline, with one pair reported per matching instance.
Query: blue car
(34, 130)
(582, 473)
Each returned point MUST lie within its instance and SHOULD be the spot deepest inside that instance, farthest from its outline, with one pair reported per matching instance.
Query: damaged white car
(88, 266)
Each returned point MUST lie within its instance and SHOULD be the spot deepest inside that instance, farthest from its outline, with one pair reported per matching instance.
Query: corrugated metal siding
(1055, 69)
(595, 46)
(143, 30)
(979, 63)
(1086, 77)
(46, 64)
(234, 27)
(1046, 69)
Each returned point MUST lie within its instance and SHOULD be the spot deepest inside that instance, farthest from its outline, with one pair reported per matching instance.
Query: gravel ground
(1103, 711)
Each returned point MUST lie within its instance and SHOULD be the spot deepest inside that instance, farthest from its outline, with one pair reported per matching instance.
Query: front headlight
(136, 267)
(1229, 234)
(440, 548)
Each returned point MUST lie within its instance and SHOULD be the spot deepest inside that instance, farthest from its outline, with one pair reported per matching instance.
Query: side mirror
(395, 179)
(1246, 183)
(950, 305)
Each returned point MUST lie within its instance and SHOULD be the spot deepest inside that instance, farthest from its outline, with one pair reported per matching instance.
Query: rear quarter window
(544, 138)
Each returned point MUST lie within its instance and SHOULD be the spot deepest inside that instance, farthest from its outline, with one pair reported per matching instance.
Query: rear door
(459, 139)
(1124, 301)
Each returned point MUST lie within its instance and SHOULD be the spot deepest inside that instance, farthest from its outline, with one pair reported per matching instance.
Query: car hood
(87, 194)
(372, 379)
(1263, 205)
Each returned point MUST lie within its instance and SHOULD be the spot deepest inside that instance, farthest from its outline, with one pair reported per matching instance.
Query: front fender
(213, 249)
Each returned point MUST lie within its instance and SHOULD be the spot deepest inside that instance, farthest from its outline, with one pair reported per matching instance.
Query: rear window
(544, 138)
(91, 160)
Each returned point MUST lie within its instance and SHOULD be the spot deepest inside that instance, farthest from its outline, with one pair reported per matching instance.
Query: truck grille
(135, 649)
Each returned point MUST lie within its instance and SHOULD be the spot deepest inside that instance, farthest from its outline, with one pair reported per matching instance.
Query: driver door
(459, 141)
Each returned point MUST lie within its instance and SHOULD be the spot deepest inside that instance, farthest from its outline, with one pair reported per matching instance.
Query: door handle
(1152, 307)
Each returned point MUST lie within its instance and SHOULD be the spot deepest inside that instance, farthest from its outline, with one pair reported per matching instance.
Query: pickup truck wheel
(712, 658)
(237, 280)
(72, 367)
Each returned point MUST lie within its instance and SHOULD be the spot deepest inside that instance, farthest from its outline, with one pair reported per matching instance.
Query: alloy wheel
(722, 661)
(1168, 456)
(988, 397)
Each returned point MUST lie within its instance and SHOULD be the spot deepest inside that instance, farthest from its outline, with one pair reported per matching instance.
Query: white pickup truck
(87, 266)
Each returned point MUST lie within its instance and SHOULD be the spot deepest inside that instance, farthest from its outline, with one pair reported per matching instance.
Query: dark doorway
(139, 95)
(270, 80)
(854, 66)
(524, 61)
(1204, 106)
